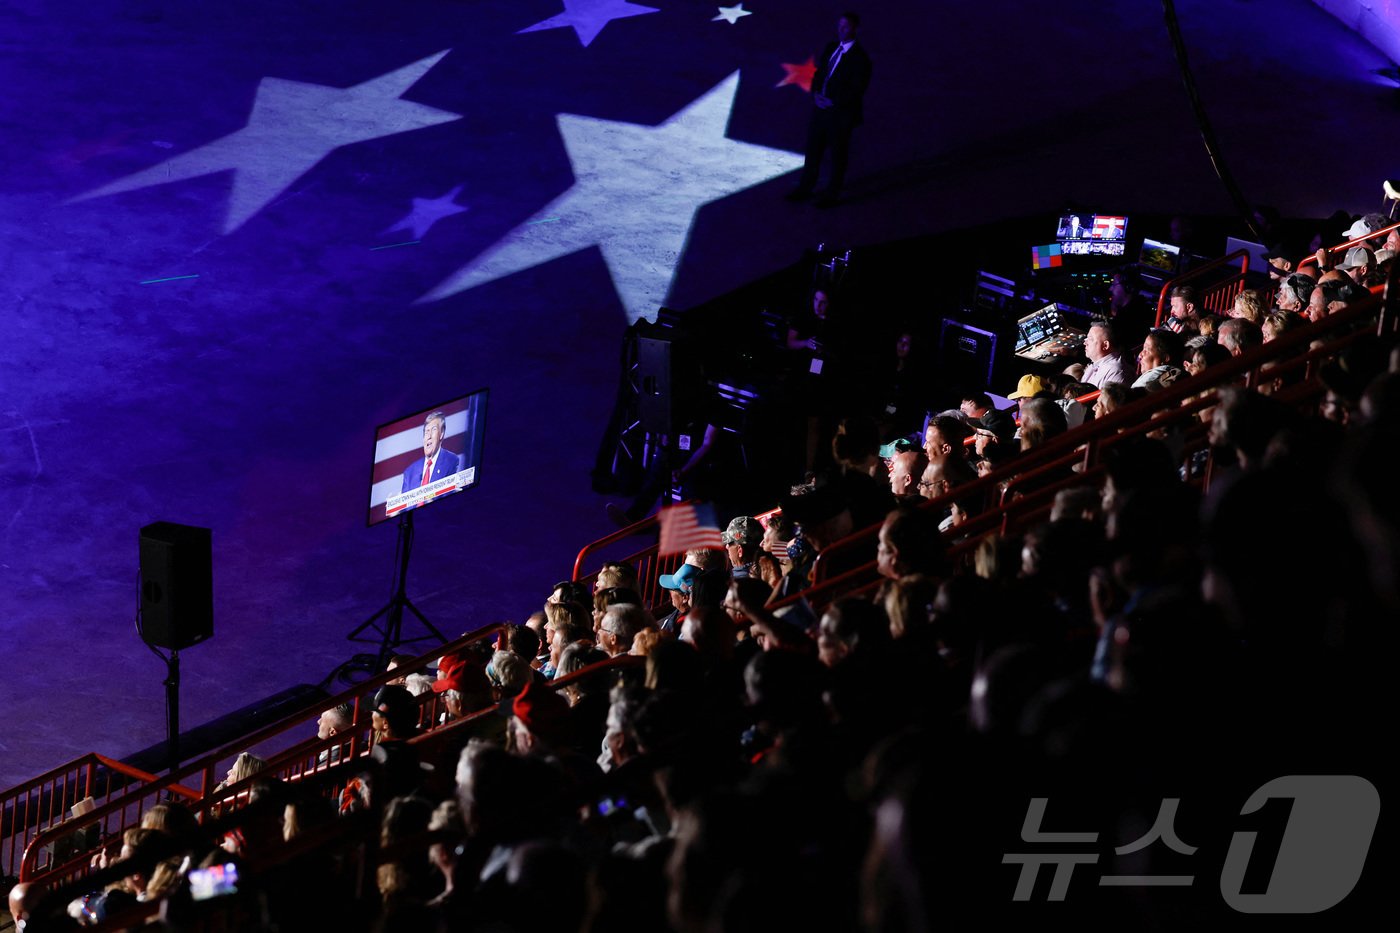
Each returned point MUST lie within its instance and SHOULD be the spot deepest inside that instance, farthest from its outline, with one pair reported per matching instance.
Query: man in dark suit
(1074, 230)
(838, 90)
(436, 461)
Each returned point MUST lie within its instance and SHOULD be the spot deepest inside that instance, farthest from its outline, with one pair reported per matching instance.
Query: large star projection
(588, 17)
(635, 193)
(635, 187)
(293, 126)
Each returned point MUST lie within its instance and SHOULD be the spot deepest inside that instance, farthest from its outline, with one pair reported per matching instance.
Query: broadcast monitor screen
(1092, 234)
(427, 456)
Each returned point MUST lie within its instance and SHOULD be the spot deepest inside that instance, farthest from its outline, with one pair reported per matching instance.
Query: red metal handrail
(1159, 410)
(1145, 415)
(648, 561)
(437, 744)
(1099, 430)
(650, 565)
(360, 829)
(126, 810)
(816, 594)
(650, 523)
(1272, 290)
(1199, 272)
(1343, 247)
(1220, 297)
(42, 802)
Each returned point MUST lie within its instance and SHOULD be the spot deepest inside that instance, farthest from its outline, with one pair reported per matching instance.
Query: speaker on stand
(176, 605)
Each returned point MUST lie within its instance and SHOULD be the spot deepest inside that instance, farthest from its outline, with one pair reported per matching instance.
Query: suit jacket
(445, 465)
(848, 82)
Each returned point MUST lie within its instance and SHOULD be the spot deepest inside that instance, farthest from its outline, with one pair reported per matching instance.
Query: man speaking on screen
(436, 462)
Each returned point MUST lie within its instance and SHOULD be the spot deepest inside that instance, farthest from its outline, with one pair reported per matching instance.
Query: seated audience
(1185, 314)
(742, 541)
(944, 437)
(861, 769)
(1249, 304)
(906, 474)
(909, 542)
(1238, 336)
(619, 625)
(1294, 292)
(981, 413)
(1159, 363)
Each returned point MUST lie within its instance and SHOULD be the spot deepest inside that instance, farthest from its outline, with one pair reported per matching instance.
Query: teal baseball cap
(681, 579)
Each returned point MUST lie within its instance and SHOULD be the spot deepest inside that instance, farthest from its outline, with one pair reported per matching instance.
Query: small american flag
(688, 527)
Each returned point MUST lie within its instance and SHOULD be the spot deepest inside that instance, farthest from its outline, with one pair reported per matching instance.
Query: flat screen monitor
(1075, 227)
(427, 456)
(1109, 227)
(1093, 247)
(1256, 251)
(1162, 257)
(1092, 234)
(1038, 327)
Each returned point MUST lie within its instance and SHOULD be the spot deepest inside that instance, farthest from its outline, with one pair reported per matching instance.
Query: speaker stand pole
(392, 612)
(172, 709)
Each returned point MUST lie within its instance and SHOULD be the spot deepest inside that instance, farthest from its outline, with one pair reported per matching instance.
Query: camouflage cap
(742, 530)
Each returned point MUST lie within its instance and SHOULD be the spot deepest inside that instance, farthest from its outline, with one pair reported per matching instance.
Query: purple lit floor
(207, 312)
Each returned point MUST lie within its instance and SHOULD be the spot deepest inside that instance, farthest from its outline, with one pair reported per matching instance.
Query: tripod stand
(391, 635)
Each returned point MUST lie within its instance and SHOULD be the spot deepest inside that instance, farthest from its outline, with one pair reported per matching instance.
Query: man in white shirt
(1107, 363)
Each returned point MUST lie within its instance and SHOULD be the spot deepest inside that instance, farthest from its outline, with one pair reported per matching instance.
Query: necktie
(427, 471)
(831, 66)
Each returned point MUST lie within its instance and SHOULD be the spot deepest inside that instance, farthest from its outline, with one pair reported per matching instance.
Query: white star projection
(635, 193)
(588, 17)
(732, 14)
(293, 126)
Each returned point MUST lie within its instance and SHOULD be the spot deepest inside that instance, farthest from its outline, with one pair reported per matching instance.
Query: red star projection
(800, 75)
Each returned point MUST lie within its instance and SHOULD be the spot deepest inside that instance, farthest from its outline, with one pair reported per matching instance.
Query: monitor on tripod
(427, 456)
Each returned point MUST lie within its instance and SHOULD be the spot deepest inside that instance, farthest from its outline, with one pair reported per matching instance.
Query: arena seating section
(43, 845)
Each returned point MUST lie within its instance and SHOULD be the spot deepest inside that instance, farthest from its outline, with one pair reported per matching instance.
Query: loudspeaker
(654, 406)
(177, 585)
(967, 354)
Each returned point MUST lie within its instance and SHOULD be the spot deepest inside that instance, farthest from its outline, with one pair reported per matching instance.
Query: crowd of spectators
(1148, 650)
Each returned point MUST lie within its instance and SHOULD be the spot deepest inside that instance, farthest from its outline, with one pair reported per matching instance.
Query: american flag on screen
(400, 445)
(1109, 228)
(688, 527)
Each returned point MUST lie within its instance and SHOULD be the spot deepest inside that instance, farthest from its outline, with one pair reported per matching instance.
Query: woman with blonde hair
(907, 602)
(244, 766)
(171, 819)
(1249, 304)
